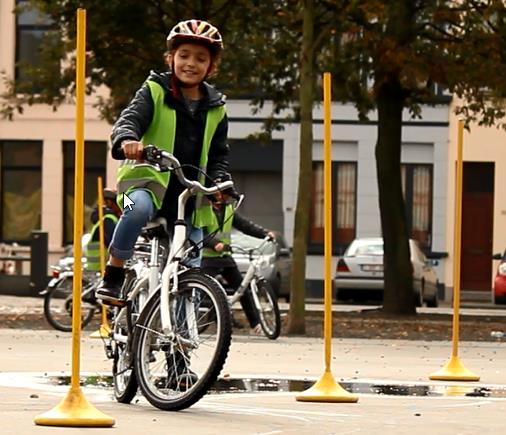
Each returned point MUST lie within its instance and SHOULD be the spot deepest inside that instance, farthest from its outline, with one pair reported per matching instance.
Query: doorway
(477, 228)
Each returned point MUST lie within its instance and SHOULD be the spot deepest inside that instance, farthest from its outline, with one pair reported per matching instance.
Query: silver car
(276, 262)
(359, 273)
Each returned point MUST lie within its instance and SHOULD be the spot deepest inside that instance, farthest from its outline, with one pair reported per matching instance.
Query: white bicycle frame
(249, 277)
(177, 249)
(145, 275)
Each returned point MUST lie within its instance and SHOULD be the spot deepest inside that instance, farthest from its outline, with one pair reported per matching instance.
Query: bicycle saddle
(156, 227)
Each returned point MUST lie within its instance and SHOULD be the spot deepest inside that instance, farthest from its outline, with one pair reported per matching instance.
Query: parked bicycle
(58, 296)
(180, 332)
(264, 297)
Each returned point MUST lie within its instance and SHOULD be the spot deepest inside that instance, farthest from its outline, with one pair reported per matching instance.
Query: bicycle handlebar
(232, 247)
(166, 161)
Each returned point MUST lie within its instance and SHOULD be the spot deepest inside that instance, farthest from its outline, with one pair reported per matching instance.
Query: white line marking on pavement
(254, 411)
(262, 410)
(479, 403)
(270, 433)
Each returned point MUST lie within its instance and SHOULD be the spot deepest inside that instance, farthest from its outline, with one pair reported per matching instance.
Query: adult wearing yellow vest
(112, 212)
(217, 258)
(182, 114)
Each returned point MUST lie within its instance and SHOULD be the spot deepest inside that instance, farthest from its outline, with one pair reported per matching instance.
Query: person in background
(217, 257)
(112, 213)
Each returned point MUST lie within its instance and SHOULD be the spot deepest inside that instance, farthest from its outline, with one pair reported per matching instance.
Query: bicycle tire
(58, 307)
(271, 324)
(124, 379)
(164, 387)
(125, 383)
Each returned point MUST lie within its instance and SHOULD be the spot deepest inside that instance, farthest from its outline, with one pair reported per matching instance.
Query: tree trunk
(296, 321)
(398, 293)
(398, 290)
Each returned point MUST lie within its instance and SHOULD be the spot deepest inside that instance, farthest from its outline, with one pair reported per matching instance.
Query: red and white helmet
(195, 30)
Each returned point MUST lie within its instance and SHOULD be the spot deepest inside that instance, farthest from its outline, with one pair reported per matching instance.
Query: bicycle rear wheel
(175, 370)
(123, 373)
(58, 306)
(268, 309)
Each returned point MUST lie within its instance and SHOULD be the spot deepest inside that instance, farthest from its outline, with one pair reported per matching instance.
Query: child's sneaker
(109, 290)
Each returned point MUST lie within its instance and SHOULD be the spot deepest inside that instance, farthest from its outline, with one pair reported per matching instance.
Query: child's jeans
(131, 222)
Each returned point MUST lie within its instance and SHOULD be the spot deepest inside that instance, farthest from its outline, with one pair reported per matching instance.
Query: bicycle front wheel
(58, 306)
(177, 368)
(268, 309)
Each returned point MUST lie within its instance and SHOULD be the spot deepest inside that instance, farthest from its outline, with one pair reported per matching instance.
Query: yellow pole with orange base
(74, 409)
(326, 388)
(105, 329)
(454, 369)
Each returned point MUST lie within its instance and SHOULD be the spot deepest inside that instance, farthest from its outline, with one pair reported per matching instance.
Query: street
(29, 358)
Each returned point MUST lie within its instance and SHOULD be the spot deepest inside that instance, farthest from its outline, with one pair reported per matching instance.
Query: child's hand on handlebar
(271, 236)
(221, 247)
(132, 149)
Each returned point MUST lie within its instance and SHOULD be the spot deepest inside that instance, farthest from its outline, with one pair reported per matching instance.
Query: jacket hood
(214, 97)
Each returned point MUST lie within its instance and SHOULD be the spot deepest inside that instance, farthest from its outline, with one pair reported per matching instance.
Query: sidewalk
(30, 305)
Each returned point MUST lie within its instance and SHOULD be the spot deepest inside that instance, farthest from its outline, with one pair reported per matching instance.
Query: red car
(500, 279)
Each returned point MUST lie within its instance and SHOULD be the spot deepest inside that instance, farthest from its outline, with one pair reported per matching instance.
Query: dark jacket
(239, 223)
(136, 118)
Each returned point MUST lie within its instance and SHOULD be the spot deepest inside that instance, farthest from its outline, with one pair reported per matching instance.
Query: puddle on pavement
(254, 385)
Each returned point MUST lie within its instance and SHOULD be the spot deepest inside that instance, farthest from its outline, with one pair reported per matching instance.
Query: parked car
(359, 273)
(277, 262)
(500, 279)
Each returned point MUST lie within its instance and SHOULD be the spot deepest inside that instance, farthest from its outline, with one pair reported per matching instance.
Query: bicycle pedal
(108, 351)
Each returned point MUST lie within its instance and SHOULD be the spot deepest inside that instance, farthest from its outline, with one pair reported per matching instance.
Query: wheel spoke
(176, 369)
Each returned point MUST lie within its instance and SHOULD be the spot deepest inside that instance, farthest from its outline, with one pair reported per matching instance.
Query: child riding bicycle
(180, 113)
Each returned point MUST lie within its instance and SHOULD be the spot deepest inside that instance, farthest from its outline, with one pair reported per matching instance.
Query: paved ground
(30, 357)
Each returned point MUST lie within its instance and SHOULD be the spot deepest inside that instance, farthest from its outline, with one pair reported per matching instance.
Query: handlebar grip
(151, 153)
(234, 194)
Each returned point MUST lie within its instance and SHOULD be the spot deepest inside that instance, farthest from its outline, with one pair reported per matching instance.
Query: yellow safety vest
(162, 132)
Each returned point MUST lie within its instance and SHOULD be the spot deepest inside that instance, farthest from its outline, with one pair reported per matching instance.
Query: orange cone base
(454, 370)
(103, 332)
(326, 389)
(74, 410)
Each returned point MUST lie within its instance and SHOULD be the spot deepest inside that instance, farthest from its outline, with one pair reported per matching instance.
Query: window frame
(20, 168)
(408, 201)
(20, 28)
(338, 247)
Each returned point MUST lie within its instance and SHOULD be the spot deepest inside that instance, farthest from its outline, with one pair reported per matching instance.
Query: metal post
(38, 262)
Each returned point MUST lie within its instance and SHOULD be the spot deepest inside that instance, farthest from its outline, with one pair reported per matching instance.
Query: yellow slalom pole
(105, 329)
(74, 409)
(454, 369)
(326, 388)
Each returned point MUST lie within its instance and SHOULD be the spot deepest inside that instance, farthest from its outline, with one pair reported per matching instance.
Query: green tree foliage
(389, 57)
(126, 39)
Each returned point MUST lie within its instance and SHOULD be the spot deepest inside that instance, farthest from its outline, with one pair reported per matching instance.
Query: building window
(417, 190)
(344, 206)
(31, 27)
(95, 156)
(20, 189)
